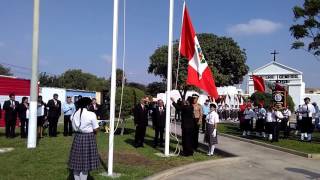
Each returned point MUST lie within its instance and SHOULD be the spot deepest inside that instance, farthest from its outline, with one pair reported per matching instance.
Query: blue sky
(78, 33)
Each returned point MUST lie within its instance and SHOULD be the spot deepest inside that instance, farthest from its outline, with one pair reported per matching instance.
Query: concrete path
(251, 162)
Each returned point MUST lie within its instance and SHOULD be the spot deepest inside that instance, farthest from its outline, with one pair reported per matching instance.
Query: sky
(78, 34)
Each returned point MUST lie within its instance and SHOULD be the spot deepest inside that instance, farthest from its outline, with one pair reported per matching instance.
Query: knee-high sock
(309, 137)
(84, 175)
(302, 136)
(212, 149)
(76, 175)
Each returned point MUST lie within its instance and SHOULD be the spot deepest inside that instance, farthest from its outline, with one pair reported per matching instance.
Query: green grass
(49, 159)
(291, 143)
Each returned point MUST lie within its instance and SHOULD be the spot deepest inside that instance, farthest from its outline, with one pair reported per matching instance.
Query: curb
(194, 166)
(298, 153)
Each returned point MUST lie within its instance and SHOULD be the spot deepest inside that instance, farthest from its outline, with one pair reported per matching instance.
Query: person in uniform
(159, 123)
(10, 108)
(197, 115)
(249, 114)
(261, 121)
(84, 155)
(273, 119)
(284, 125)
(307, 111)
(188, 125)
(212, 120)
(140, 114)
(205, 110)
(23, 112)
(41, 115)
(54, 112)
(298, 120)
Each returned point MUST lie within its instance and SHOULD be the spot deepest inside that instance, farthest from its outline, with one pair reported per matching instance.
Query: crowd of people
(48, 115)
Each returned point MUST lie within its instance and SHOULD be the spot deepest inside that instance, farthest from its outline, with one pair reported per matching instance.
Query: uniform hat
(306, 98)
(195, 95)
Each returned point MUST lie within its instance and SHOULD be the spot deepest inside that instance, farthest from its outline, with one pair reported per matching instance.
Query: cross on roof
(274, 54)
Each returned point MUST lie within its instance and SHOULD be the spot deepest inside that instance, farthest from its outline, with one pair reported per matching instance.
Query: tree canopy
(5, 71)
(266, 98)
(306, 29)
(224, 57)
(156, 87)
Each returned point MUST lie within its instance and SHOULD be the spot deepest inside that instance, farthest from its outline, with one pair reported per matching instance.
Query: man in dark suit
(159, 122)
(11, 108)
(54, 113)
(95, 107)
(140, 113)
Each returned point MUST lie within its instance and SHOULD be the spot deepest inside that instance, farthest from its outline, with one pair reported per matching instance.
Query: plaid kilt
(208, 137)
(84, 153)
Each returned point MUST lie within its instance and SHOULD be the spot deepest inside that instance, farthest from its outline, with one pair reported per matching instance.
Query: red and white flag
(199, 73)
(258, 83)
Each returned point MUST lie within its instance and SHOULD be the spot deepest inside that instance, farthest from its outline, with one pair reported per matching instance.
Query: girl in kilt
(84, 153)
(211, 129)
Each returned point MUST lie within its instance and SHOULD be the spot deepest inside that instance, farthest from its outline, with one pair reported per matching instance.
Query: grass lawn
(49, 159)
(291, 143)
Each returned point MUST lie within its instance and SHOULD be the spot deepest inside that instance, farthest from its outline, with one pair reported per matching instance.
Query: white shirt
(287, 113)
(307, 110)
(212, 117)
(273, 116)
(249, 114)
(87, 123)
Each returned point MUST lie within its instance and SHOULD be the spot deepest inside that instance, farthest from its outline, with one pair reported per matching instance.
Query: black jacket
(187, 120)
(97, 112)
(159, 118)
(10, 113)
(140, 115)
(54, 111)
(22, 111)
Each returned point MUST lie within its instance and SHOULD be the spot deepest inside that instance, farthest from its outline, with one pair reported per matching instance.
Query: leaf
(297, 45)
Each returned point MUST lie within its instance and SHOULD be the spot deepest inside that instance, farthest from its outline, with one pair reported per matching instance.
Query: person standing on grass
(23, 112)
(205, 110)
(284, 125)
(261, 120)
(159, 123)
(11, 108)
(317, 115)
(298, 120)
(140, 114)
(273, 118)
(307, 111)
(249, 114)
(197, 115)
(212, 121)
(41, 116)
(54, 112)
(95, 107)
(84, 155)
(188, 125)
(68, 109)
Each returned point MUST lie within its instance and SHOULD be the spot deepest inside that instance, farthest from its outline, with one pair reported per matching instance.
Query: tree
(131, 96)
(224, 57)
(5, 71)
(266, 98)
(48, 81)
(156, 87)
(306, 31)
(142, 87)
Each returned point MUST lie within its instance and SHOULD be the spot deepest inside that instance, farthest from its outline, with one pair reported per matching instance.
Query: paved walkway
(251, 162)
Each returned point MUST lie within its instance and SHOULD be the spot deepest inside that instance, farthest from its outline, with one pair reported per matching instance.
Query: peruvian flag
(199, 73)
(258, 83)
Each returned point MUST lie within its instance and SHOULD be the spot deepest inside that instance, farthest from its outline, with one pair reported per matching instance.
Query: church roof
(275, 68)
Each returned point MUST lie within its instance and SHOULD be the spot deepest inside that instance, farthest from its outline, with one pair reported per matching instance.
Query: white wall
(47, 93)
(314, 98)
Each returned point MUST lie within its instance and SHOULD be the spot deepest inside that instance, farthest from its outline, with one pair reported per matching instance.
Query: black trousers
(10, 127)
(24, 127)
(306, 125)
(158, 136)
(53, 122)
(196, 135)
(275, 131)
(248, 124)
(67, 126)
(260, 125)
(203, 124)
(139, 136)
(285, 128)
(187, 141)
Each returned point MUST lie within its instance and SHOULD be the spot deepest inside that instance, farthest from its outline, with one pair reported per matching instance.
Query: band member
(178, 112)
(284, 125)
(41, 115)
(249, 114)
(197, 115)
(95, 107)
(54, 113)
(188, 125)
(211, 129)
(261, 120)
(205, 110)
(23, 112)
(140, 114)
(159, 123)
(298, 119)
(307, 111)
(68, 109)
(11, 108)
(273, 119)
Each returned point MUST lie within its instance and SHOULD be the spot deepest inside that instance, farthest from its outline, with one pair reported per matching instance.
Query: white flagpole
(169, 80)
(113, 85)
(32, 130)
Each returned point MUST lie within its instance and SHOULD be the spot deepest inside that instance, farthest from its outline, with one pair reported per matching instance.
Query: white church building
(276, 72)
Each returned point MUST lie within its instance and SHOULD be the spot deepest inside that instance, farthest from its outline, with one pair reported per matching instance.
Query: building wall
(47, 93)
(314, 98)
(75, 93)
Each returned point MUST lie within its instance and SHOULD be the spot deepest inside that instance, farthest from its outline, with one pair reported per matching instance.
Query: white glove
(214, 133)
(313, 121)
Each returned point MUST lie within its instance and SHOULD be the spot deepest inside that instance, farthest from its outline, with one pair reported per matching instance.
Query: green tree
(48, 80)
(5, 71)
(140, 86)
(156, 87)
(306, 29)
(224, 57)
(266, 98)
(131, 97)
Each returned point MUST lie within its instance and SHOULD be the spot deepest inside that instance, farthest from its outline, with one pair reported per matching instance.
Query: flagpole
(32, 130)
(113, 85)
(169, 80)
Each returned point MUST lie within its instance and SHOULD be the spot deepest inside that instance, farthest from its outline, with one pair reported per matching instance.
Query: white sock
(212, 149)
(302, 136)
(270, 137)
(309, 137)
(305, 135)
(244, 133)
(83, 175)
(76, 175)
